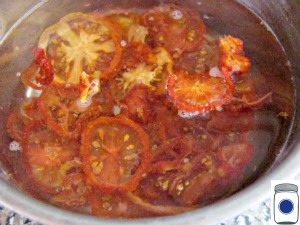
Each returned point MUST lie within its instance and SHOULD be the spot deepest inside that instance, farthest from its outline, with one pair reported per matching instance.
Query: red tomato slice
(80, 42)
(136, 53)
(199, 93)
(46, 73)
(115, 153)
(231, 48)
(136, 104)
(201, 59)
(62, 111)
(47, 156)
(173, 27)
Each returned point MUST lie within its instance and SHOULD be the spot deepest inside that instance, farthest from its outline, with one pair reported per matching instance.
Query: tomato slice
(142, 65)
(170, 155)
(46, 73)
(115, 153)
(136, 104)
(199, 93)
(173, 27)
(79, 42)
(64, 112)
(201, 59)
(47, 157)
(136, 53)
(231, 48)
(129, 27)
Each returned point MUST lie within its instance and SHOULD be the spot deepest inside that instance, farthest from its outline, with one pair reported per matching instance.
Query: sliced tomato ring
(63, 111)
(79, 42)
(45, 156)
(199, 93)
(115, 153)
(173, 27)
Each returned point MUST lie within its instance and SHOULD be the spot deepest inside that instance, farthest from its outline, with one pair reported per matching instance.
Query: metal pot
(23, 21)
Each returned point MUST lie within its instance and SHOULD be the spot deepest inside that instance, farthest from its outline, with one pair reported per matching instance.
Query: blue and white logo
(285, 202)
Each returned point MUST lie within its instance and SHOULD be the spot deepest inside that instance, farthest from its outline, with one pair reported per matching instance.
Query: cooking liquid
(269, 71)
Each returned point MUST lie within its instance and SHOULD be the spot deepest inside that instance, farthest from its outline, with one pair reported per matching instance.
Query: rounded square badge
(285, 202)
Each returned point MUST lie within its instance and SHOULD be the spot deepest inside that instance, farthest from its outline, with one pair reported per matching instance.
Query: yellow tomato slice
(81, 43)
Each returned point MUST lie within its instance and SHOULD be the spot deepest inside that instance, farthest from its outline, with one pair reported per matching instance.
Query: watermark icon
(285, 202)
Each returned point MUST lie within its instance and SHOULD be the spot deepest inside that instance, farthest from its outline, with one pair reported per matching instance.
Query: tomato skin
(114, 64)
(16, 124)
(29, 74)
(46, 74)
(112, 158)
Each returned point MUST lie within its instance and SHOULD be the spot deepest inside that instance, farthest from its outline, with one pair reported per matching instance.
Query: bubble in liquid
(123, 43)
(187, 115)
(15, 146)
(176, 14)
